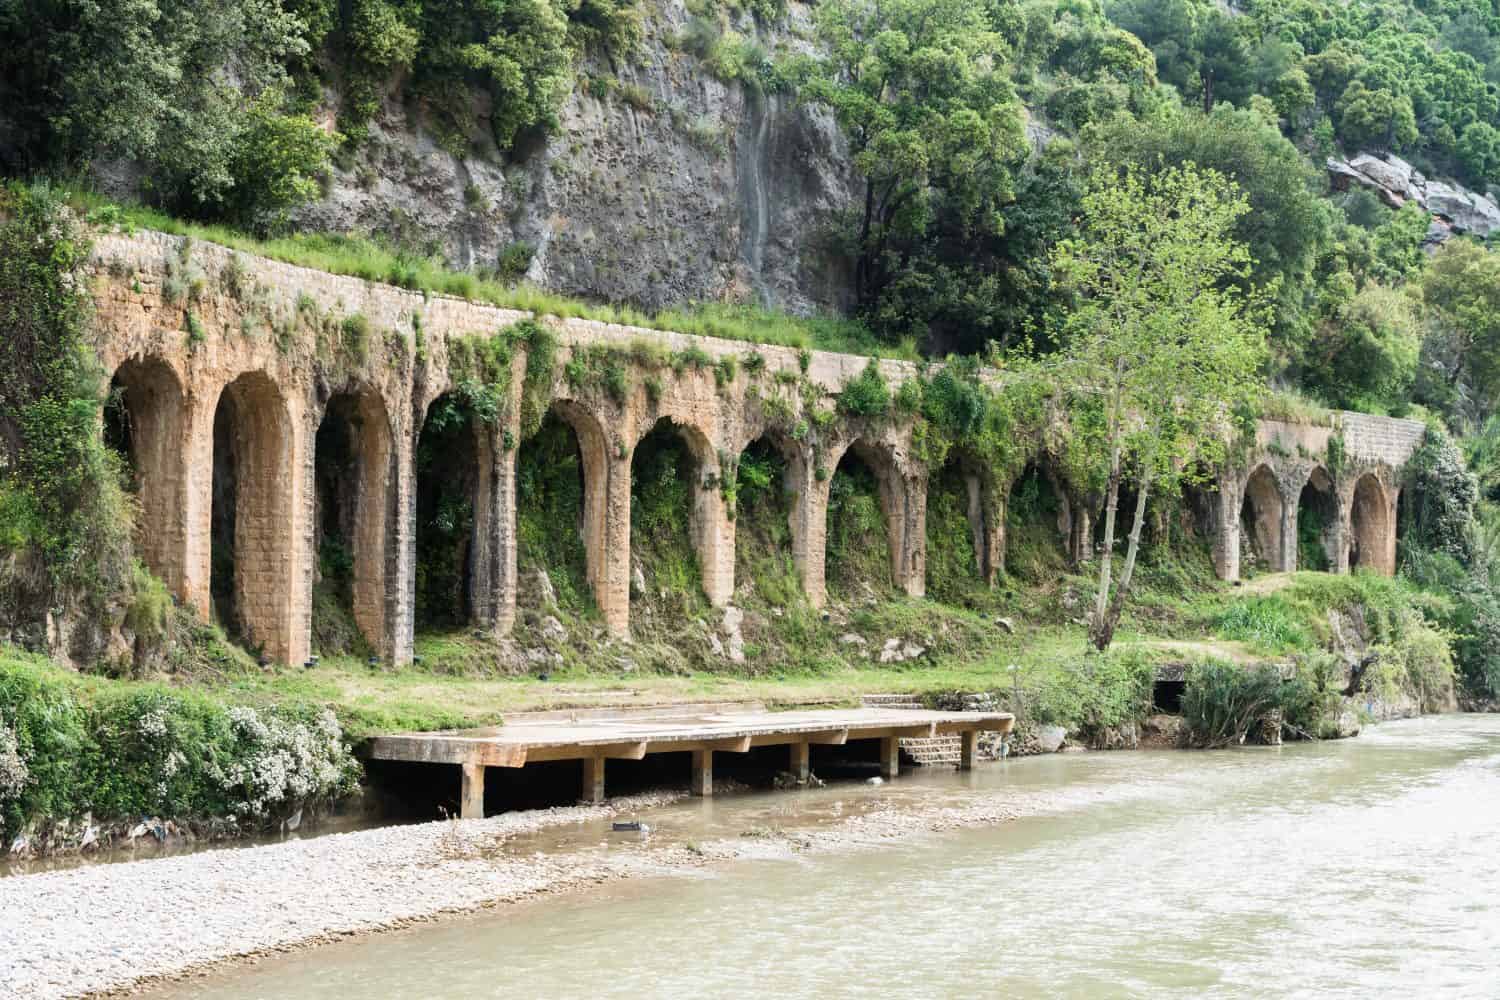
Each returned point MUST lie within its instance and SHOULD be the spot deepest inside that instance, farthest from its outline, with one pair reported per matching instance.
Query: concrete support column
(890, 757)
(713, 537)
(401, 554)
(810, 534)
(987, 509)
(593, 780)
(968, 752)
(1226, 520)
(197, 472)
(911, 567)
(612, 586)
(494, 545)
(801, 761)
(702, 784)
(471, 798)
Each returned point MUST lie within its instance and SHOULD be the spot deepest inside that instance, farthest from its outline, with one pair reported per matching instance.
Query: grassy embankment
(373, 260)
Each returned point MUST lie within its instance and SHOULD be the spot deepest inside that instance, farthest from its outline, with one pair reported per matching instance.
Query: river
(1335, 869)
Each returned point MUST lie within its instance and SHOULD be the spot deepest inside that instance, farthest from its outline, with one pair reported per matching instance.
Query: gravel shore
(112, 928)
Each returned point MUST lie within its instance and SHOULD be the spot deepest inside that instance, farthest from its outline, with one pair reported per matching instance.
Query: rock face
(672, 186)
(1458, 210)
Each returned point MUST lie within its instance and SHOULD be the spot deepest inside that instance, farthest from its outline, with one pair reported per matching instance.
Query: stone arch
(1038, 498)
(354, 506)
(145, 421)
(904, 523)
(768, 503)
(1262, 518)
(1317, 521)
(453, 485)
(606, 505)
(706, 520)
(963, 487)
(251, 560)
(1372, 535)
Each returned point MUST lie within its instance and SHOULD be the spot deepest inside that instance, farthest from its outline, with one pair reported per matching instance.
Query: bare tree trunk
(1105, 633)
(1112, 502)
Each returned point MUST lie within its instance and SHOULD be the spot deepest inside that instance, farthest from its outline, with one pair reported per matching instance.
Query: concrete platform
(594, 738)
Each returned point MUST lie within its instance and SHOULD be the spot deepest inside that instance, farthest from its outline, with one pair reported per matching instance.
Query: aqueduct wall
(229, 364)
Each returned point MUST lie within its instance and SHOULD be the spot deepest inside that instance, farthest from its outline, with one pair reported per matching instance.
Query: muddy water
(1337, 869)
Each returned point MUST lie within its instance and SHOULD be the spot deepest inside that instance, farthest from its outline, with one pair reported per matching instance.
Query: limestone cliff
(671, 186)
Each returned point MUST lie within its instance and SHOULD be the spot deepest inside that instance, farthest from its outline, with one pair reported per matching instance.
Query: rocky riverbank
(113, 929)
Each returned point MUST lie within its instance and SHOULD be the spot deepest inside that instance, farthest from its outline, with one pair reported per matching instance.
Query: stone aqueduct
(189, 334)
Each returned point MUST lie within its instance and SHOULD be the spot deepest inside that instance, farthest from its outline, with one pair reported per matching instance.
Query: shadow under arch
(145, 423)
(354, 514)
(1262, 518)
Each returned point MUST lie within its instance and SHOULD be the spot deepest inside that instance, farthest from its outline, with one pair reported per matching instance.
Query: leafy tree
(1479, 151)
(1366, 353)
(1288, 225)
(1375, 117)
(922, 90)
(1461, 287)
(1158, 332)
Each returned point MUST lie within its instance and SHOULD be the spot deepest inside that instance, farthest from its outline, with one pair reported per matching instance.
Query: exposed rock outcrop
(1455, 208)
(669, 186)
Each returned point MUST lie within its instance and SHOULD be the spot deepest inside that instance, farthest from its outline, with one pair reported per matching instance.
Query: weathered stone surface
(674, 186)
(1397, 182)
(262, 339)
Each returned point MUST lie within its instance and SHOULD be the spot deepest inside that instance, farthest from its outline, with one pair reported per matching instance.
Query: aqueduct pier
(229, 366)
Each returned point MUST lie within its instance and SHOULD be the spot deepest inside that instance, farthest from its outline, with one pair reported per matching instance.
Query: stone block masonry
(229, 364)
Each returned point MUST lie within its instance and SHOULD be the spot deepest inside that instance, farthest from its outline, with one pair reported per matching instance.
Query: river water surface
(1354, 868)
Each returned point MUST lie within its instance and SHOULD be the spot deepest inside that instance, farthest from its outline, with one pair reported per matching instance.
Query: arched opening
(452, 462)
(249, 512)
(859, 548)
(551, 497)
(143, 424)
(765, 495)
(1370, 544)
(351, 518)
(1261, 517)
(955, 533)
(1038, 524)
(666, 478)
(1317, 524)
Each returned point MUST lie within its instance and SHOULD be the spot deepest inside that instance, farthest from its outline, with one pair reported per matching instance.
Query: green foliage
(1152, 275)
(541, 371)
(1269, 623)
(1461, 288)
(857, 555)
(866, 396)
(1095, 693)
(921, 89)
(1221, 702)
(663, 482)
(1286, 226)
(1440, 496)
(66, 521)
(124, 751)
(549, 478)
(1366, 354)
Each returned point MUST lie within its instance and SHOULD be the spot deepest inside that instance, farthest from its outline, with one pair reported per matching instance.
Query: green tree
(1461, 287)
(1375, 118)
(1479, 152)
(1288, 226)
(922, 90)
(1366, 354)
(1159, 333)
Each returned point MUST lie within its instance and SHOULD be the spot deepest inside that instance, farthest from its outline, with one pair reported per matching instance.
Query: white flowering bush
(281, 761)
(13, 772)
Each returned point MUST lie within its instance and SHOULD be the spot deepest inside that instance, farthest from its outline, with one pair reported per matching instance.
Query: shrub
(866, 395)
(1222, 701)
(130, 750)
